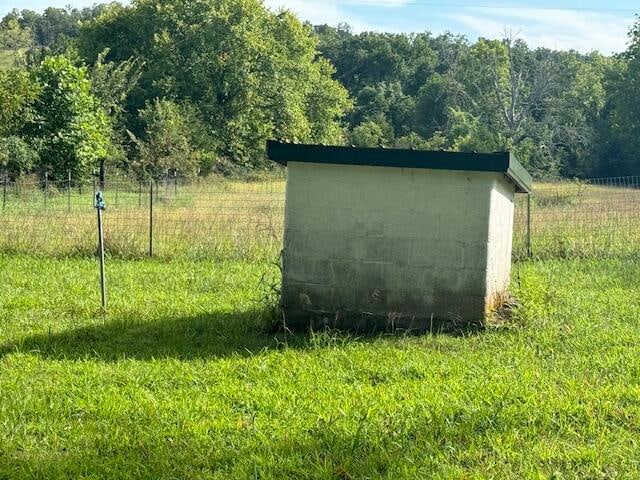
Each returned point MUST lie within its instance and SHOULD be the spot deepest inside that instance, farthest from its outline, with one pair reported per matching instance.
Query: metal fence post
(4, 191)
(116, 189)
(69, 190)
(151, 218)
(46, 188)
(529, 252)
(100, 206)
(139, 194)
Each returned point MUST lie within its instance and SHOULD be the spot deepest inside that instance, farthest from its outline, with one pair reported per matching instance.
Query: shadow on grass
(214, 335)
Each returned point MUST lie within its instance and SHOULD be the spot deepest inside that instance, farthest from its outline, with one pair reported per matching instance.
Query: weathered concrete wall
(500, 242)
(390, 242)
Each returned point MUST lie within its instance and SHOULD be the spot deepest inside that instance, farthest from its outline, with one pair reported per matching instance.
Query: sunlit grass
(185, 378)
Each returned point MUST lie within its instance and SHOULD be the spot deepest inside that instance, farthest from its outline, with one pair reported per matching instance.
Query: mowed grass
(185, 379)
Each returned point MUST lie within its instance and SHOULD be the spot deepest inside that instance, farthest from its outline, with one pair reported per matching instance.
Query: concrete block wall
(499, 243)
(389, 241)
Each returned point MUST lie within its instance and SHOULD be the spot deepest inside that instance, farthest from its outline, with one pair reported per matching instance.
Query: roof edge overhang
(499, 162)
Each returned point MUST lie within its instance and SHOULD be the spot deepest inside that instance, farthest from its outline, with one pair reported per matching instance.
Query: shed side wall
(409, 242)
(500, 243)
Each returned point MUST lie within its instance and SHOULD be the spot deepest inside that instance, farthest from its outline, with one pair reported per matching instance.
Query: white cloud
(315, 12)
(559, 29)
(331, 13)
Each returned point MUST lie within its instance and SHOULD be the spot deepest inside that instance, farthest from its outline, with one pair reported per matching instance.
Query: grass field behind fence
(578, 219)
(212, 219)
(217, 218)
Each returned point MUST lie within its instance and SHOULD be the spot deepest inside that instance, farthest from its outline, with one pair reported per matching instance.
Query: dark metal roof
(501, 162)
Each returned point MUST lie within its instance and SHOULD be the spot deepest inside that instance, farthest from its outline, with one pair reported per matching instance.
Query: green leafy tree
(547, 106)
(252, 74)
(13, 36)
(414, 141)
(112, 83)
(166, 146)
(618, 131)
(368, 134)
(69, 129)
(54, 25)
(18, 91)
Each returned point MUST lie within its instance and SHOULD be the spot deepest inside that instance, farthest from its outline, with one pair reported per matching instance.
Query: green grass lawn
(184, 379)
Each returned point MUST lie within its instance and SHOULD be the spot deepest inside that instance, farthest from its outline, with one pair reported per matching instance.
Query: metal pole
(100, 206)
(4, 191)
(69, 191)
(116, 189)
(529, 252)
(46, 188)
(139, 194)
(175, 184)
(166, 185)
(151, 218)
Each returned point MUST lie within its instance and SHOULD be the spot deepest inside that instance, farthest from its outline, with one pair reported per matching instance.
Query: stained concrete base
(368, 323)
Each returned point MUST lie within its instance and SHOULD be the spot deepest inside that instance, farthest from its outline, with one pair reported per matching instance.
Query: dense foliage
(445, 92)
(70, 129)
(167, 145)
(252, 74)
(219, 77)
(50, 121)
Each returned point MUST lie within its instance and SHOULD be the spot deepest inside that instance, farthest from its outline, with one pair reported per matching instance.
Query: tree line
(197, 86)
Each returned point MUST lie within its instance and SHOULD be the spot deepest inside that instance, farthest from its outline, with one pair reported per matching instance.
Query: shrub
(17, 157)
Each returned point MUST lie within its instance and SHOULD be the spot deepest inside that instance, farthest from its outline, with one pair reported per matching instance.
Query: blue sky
(565, 24)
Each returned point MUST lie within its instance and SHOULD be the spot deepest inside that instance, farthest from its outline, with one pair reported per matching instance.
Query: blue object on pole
(99, 203)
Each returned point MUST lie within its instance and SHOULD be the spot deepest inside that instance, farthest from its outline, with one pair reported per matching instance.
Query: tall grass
(579, 220)
(215, 219)
(219, 218)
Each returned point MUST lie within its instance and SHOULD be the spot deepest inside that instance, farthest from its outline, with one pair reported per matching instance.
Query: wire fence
(233, 219)
(169, 218)
(576, 219)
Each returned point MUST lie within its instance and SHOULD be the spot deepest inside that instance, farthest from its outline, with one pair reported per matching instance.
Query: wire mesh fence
(592, 218)
(169, 218)
(233, 219)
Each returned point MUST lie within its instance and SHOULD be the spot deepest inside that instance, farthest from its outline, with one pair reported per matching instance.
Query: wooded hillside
(197, 86)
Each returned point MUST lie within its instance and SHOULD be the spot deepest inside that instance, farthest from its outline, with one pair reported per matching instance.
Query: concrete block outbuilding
(377, 237)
